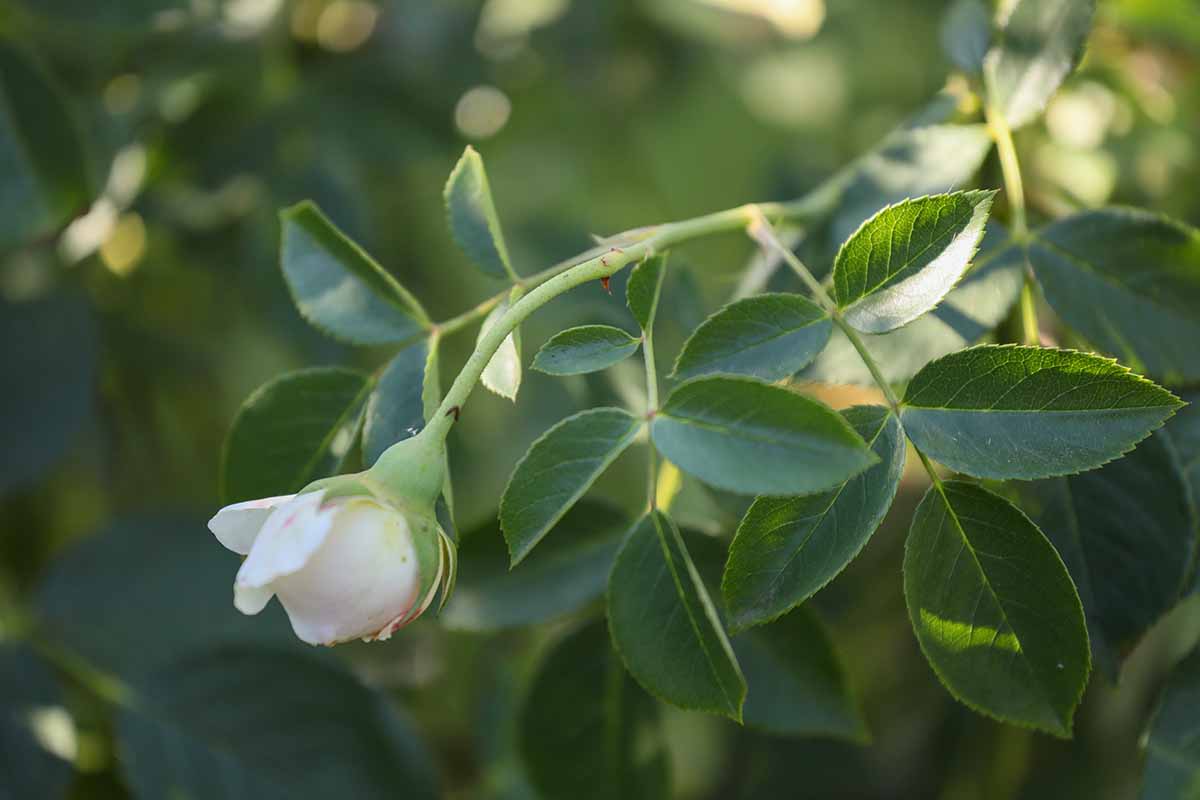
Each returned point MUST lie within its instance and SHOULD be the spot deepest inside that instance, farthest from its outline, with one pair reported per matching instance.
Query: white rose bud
(352, 557)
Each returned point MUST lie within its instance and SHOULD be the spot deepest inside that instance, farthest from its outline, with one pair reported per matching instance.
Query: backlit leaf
(905, 259)
(644, 288)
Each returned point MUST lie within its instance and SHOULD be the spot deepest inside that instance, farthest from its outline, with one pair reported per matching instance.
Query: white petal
(237, 525)
(289, 537)
(252, 599)
(361, 578)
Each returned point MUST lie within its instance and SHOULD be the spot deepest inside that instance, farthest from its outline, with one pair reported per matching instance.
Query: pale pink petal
(251, 599)
(289, 537)
(236, 526)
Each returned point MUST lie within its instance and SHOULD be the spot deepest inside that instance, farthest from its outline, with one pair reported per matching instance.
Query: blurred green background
(133, 330)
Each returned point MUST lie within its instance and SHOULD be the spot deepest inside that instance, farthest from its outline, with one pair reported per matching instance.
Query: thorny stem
(597, 263)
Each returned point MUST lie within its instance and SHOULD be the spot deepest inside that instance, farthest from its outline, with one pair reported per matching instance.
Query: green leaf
(970, 312)
(178, 601)
(27, 689)
(1129, 282)
(1040, 43)
(291, 431)
(587, 732)
(46, 178)
(644, 288)
(48, 353)
(568, 570)
(1184, 432)
(338, 287)
(755, 438)
(502, 375)
(796, 684)
(1127, 533)
(665, 626)
(787, 548)
(1173, 741)
(407, 392)
(260, 723)
(472, 217)
(587, 348)
(559, 467)
(1029, 412)
(769, 336)
(966, 34)
(905, 259)
(994, 609)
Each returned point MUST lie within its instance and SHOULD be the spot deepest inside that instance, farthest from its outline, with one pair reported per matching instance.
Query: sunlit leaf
(994, 608)
(1028, 412)
(905, 259)
(502, 374)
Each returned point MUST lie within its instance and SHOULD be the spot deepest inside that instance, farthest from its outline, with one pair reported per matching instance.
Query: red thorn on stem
(606, 283)
(455, 411)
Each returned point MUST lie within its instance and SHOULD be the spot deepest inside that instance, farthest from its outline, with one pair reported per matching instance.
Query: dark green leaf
(1127, 533)
(569, 570)
(587, 348)
(1029, 412)
(587, 732)
(756, 438)
(338, 287)
(1129, 282)
(644, 288)
(292, 431)
(407, 391)
(502, 375)
(966, 33)
(46, 180)
(261, 723)
(1184, 433)
(177, 601)
(905, 259)
(27, 689)
(1173, 741)
(665, 627)
(994, 608)
(970, 312)
(787, 548)
(796, 684)
(769, 336)
(472, 217)
(559, 467)
(48, 353)
(1040, 42)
